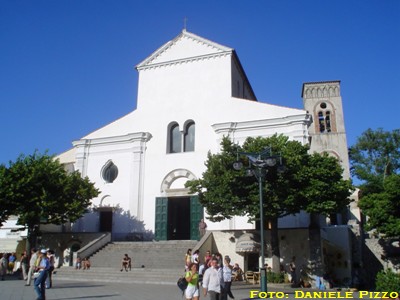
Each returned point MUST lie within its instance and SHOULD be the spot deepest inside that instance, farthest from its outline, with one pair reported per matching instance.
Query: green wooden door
(196, 214)
(161, 226)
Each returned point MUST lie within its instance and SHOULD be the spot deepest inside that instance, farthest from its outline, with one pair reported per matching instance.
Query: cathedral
(191, 93)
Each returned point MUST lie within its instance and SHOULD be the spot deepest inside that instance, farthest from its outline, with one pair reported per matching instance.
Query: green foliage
(5, 205)
(383, 208)
(275, 277)
(38, 189)
(375, 160)
(387, 281)
(375, 155)
(327, 190)
(308, 182)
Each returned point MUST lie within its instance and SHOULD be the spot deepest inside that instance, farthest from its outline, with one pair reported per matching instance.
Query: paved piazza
(14, 289)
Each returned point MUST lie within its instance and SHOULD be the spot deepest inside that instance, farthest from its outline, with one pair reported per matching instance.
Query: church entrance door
(177, 218)
(105, 220)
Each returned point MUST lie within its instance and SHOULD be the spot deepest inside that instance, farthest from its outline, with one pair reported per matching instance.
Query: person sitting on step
(126, 263)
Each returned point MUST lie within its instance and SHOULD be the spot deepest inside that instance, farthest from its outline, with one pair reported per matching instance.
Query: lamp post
(260, 162)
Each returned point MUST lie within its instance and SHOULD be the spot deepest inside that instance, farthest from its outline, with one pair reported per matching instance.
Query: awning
(8, 245)
(248, 243)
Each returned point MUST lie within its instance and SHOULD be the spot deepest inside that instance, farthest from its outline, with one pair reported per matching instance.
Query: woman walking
(192, 277)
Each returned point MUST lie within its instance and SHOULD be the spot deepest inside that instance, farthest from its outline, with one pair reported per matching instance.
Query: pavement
(13, 288)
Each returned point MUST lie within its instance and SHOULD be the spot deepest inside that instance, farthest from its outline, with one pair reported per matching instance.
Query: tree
(375, 155)
(39, 190)
(375, 160)
(308, 182)
(4, 202)
(383, 208)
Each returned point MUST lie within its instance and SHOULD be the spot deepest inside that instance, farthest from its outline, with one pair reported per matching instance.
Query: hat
(44, 251)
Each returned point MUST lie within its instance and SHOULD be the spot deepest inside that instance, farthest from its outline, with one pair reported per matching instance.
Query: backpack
(182, 284)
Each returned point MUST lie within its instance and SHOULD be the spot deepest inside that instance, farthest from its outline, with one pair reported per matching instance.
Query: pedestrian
(292, 270)
(212, 280)
(192, 277)
(78, 264)
(49, 280)
(86, 263)
(126, 263)
(188, 259)
(40, 281)
(32, 266)
(227, 280)
(24, 265)
(3, 265)
(202, 228)
(12, 258)
(195, 257)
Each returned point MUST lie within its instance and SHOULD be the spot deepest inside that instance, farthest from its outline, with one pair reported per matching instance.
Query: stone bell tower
(327, 132)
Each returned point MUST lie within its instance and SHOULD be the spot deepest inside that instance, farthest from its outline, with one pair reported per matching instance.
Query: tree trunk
(29, 241)
(276, 254)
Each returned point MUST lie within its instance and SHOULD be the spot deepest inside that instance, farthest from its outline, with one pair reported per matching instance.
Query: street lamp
(260, 162)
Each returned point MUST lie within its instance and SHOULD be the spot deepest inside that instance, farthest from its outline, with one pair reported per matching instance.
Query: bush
(387, 281)
(275, 277)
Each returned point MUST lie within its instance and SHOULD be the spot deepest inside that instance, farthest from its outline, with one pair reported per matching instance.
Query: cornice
(184, 34)
(121, 139)
(257, 124)
(321, 88)
(184, 60)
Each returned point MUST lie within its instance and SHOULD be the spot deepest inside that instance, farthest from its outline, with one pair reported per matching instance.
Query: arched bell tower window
(109, 172)
(189, 136)
(324, 118)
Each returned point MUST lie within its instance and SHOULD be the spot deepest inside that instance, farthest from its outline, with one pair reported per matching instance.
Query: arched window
(175, 139)
(189, 137)
(110, 172)
(324, 118)
(321, 121)
(328, 121)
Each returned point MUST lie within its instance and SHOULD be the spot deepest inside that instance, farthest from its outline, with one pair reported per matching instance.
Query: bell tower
(322, 100)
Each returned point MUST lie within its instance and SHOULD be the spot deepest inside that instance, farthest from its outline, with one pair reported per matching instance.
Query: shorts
(191, 291)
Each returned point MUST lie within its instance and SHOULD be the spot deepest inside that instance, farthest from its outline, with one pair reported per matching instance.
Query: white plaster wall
(198, 90)
(184, 87)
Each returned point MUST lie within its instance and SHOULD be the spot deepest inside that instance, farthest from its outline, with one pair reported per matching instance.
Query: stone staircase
(162, 262)
(152, 255)
(104, 274)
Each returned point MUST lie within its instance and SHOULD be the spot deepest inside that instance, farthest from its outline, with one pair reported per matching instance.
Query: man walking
(212, 280)
(32, 265)
(40, 281)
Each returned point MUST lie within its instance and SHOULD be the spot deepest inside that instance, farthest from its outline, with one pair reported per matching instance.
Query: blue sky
(67, 67)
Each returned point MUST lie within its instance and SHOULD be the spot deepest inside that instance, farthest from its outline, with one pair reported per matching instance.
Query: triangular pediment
(185, 46)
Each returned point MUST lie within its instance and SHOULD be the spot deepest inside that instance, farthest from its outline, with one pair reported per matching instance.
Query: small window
(328, 121)
(189, 137)
(110, 172)
(175, 138)
(181, 141)
(321, 121)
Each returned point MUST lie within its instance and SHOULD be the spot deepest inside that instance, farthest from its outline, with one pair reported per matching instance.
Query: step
(136, 275)
(159, 255)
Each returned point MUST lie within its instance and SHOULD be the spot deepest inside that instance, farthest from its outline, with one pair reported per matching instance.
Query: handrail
(93, 246)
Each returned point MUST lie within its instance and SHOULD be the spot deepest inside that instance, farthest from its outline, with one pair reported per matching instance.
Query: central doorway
(106, 220)
(177, 218)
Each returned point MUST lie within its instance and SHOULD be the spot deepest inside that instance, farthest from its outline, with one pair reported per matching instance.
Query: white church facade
(191, 93)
